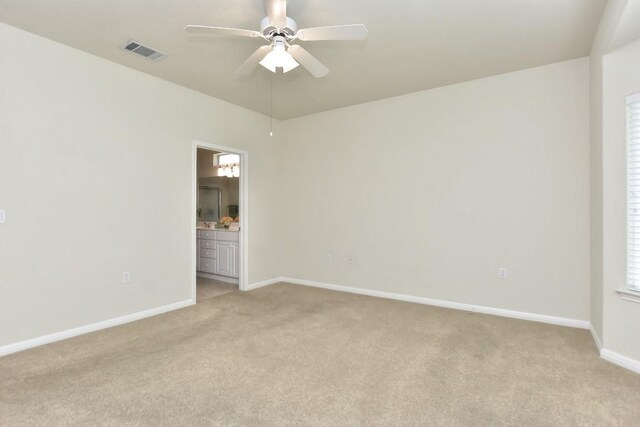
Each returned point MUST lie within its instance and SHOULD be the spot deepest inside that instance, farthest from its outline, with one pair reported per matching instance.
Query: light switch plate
(3, 216)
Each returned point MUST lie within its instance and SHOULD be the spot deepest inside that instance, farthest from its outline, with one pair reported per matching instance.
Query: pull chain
(271, 105)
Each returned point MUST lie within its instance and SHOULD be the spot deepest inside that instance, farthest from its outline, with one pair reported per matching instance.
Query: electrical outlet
(3, 216)
(502, 272)
(126, 277)
(327, 258)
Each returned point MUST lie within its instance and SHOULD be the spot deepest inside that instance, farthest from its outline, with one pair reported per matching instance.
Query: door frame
(243, 211)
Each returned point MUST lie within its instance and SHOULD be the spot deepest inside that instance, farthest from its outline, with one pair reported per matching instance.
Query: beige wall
(205, 163)
(606, 29)
(621, 318)
(595, 208)
(84, 146)
(495, 173)
(613, 76)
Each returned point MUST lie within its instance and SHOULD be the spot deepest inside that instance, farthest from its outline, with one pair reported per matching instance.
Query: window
(633, 192)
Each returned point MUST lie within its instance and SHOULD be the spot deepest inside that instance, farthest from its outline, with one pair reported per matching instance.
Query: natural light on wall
(633, 192)
(228, 165)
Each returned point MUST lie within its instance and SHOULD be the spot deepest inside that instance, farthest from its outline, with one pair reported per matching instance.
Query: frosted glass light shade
(279, 58)
(228, 165)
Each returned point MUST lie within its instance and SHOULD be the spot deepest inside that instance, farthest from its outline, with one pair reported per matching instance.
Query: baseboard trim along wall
(262, 284)
(608, 355)
(620, 360)
(543, 318)
(70, 333)
(596, 338)
(613, 357)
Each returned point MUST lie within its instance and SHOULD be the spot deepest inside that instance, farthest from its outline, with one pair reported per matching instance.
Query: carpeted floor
(209, 288)
(291, 355)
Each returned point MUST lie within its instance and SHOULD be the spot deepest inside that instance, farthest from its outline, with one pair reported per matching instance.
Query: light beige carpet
(290, 355)
(209, 288)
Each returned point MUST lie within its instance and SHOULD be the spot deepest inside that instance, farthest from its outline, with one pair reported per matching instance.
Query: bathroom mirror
(209, 202)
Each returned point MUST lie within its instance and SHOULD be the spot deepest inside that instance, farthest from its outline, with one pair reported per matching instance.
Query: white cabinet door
(224, 258)
(236, 259)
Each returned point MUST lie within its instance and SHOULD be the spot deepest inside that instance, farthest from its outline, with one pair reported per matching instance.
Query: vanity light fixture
(228, 165)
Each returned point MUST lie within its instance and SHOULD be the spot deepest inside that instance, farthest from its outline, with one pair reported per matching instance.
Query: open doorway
(219, 206)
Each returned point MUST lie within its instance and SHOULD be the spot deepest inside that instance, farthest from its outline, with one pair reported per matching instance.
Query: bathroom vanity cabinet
(218, 252)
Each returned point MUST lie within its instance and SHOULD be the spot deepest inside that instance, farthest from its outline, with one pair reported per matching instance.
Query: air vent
(142, 50)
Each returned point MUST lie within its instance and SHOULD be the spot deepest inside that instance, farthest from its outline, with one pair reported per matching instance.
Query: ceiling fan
(280, 31)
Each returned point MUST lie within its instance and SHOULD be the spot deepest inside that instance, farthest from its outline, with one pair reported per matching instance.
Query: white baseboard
(543, 318)
(596, 338)
(613, 357)
(620, 360)
(59, 336)
(608, 355)
(263, 283)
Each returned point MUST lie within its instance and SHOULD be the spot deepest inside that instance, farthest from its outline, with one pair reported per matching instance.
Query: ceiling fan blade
(277, 12)
(252, 62)
(308, 61)
(335, 32)
(221, 31)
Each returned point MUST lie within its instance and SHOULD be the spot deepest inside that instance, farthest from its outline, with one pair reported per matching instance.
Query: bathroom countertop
(216, 229)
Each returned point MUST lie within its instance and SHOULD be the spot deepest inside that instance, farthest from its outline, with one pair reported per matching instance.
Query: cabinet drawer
(207, 244)
(208, 253)
(208, 265)
(228, 236)
(206, 234)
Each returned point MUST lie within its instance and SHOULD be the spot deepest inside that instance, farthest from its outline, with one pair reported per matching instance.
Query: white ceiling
(412, 45)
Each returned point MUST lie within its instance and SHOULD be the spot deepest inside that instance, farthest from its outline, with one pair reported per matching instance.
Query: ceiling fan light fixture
(281, 31)
(279, 58)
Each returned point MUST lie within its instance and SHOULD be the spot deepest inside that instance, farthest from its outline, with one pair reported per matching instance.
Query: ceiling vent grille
(142, 50)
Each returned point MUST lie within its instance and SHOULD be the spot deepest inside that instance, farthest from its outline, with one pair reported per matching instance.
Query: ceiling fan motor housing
(279, 40)
(268, 30)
